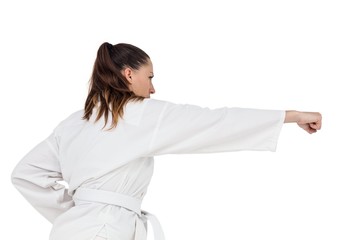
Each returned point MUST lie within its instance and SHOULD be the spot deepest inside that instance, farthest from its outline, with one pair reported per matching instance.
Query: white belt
(130, 203)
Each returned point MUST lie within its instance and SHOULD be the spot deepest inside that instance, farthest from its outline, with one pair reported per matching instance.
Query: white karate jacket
(120, 161)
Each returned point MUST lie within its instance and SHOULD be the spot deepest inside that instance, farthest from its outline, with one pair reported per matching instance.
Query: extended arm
(183, 128)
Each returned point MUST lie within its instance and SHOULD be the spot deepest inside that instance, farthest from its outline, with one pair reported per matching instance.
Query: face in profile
(141, 79)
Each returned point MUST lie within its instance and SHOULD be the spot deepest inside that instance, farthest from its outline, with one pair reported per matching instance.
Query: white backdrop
(301, 55)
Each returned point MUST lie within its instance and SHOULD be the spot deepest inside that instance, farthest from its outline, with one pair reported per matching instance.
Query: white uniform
(121, 162)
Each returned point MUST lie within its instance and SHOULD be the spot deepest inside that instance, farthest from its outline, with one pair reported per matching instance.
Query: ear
(127, 72)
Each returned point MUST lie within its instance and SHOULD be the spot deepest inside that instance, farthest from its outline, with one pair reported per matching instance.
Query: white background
(302, 55)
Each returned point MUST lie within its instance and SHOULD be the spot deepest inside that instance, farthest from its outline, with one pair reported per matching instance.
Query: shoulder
(151, 102)
(160, 106)
(156, 103)
(160, 109)
(74, 118)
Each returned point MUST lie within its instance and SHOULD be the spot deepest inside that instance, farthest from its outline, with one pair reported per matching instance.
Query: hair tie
(109, 47)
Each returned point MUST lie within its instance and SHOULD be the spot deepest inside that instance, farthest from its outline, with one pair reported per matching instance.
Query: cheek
(146, 84)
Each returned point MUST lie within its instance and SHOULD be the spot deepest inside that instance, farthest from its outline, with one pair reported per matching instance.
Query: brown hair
(107, 85)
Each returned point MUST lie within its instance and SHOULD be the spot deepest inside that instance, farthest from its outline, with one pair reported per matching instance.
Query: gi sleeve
(183, 128)
(36, 177)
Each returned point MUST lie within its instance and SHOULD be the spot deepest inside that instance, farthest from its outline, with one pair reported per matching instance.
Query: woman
(105, 152)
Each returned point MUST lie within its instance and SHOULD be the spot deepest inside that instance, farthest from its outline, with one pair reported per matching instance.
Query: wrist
(291, 116)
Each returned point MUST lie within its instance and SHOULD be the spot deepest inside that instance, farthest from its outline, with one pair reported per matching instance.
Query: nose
(152, 89)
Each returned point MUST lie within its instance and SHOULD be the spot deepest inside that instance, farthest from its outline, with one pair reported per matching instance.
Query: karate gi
(108, 172)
